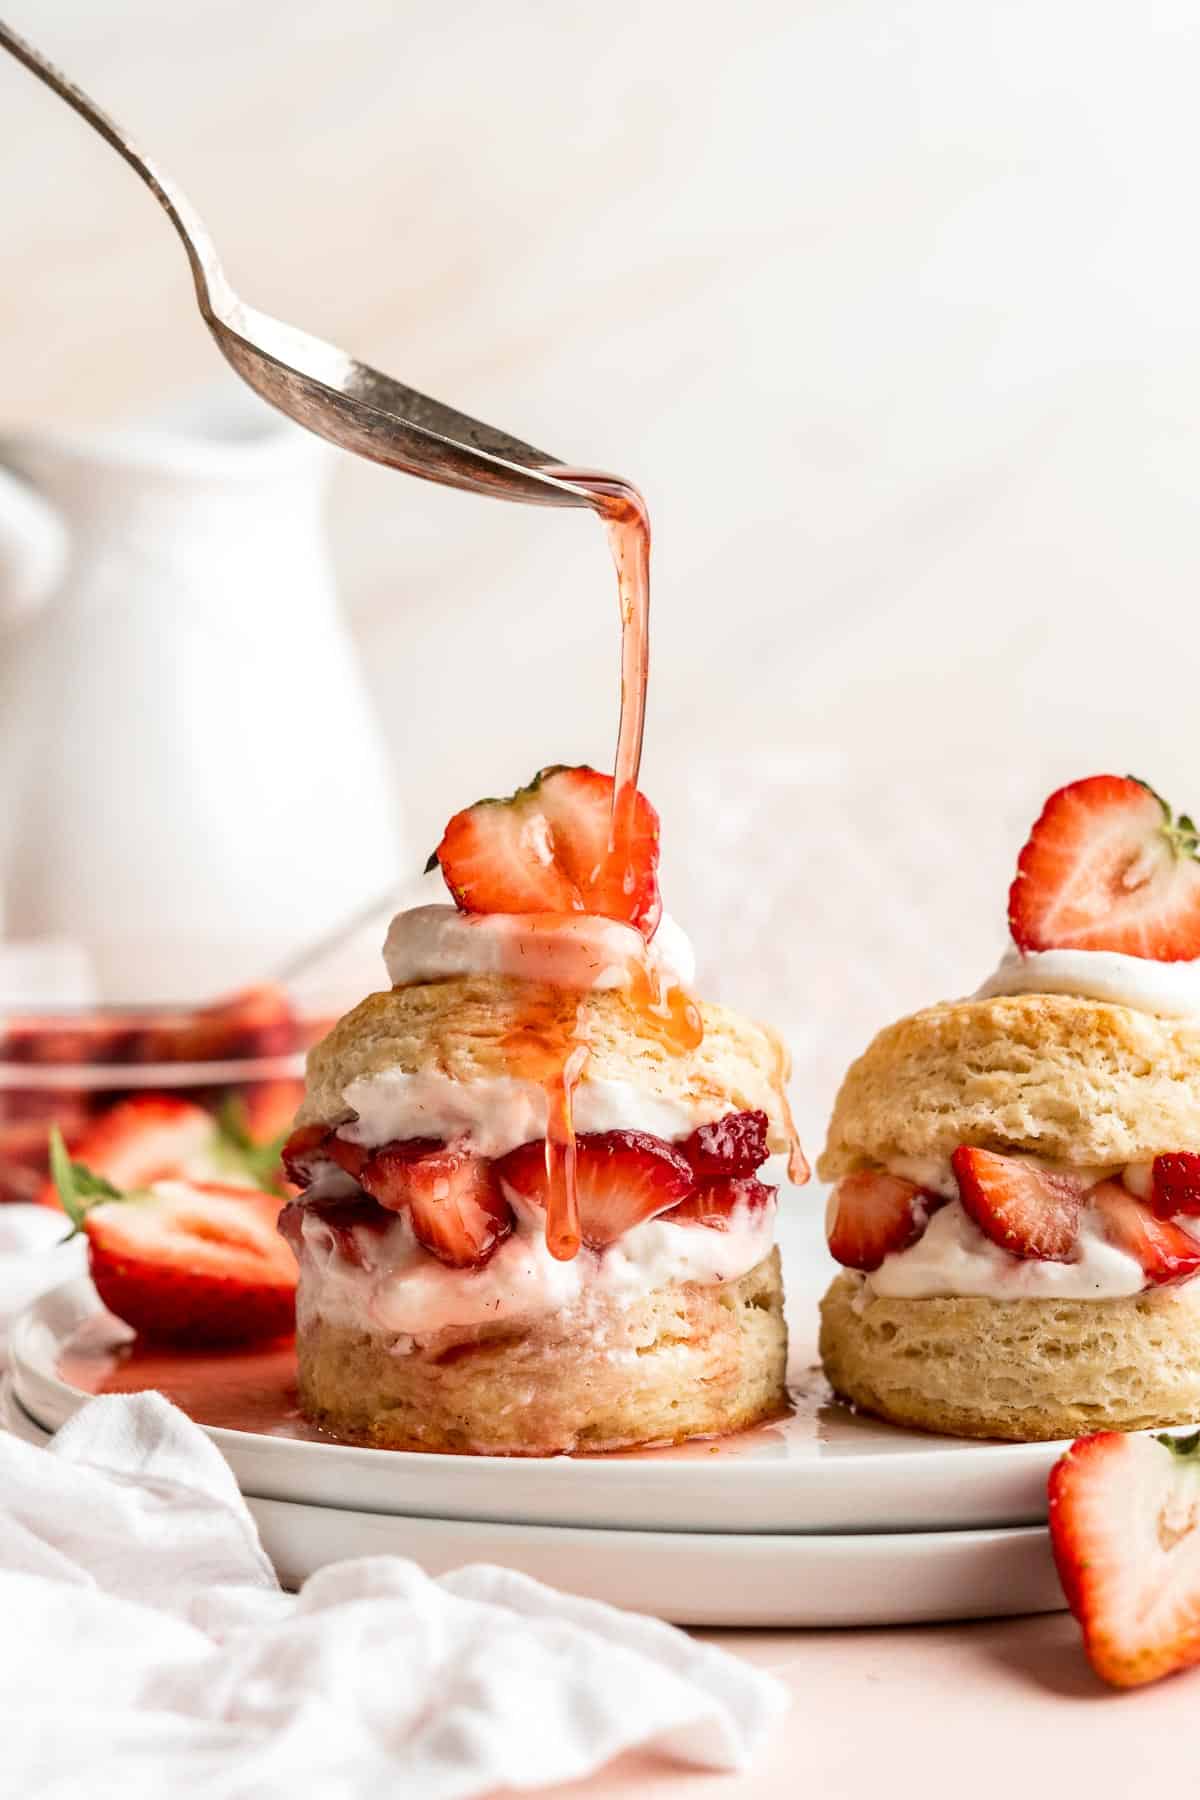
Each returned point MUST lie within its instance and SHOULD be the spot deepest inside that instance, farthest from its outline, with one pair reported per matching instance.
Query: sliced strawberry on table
(1027, 1210)
(1125, 1529)
(622, 1178)
(546, 849)
(452, 1197)
(147, 1138)
(717, 1201)
(1109, 867)
(190, 1262)
(1175, 1184)
(734, 1145)
(1166, 1251)
(874, 1215)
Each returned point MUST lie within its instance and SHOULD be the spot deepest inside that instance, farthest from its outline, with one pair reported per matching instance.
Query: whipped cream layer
(400, 1289)
(578, 951)
(954, 1259)
(1169, 990)
(493, 1115)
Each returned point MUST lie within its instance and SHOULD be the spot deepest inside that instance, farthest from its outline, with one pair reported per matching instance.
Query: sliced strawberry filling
(1033, 1212)
(460, 1204)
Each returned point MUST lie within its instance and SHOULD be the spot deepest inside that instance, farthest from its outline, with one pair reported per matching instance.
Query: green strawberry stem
(1183, 1447)
(78, 1188)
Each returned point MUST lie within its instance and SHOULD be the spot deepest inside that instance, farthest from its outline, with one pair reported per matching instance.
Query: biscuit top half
(466, 1029)
(1080, 1082)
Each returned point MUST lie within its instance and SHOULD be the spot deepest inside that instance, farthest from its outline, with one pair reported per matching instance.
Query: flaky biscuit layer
(1024, 1370)
(682, 1361)
(1077, 1081)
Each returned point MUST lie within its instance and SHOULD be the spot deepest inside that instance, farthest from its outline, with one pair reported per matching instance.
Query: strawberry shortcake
(1017, 1199)
(532, 1217)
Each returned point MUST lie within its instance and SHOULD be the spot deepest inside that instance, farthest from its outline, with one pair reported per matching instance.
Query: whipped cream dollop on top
(575, 950)
(1170, 990)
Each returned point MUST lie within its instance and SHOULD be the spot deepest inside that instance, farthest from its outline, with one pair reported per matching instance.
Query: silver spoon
(317, 385)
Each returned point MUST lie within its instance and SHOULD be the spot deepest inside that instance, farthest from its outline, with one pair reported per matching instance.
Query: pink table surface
(1000, 1709)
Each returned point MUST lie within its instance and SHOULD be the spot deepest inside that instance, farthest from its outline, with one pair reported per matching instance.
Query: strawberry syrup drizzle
(673, 1017)
(627, 524)
(563, 1236)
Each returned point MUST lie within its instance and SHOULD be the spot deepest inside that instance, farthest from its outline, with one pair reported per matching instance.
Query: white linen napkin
(146, 1646)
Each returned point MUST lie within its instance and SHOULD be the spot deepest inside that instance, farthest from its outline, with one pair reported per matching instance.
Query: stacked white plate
(823, 1519)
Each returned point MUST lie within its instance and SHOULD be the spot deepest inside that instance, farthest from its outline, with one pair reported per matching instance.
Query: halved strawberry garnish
(874, 1215)
(1176, 1184)
(1166, 1252)
(718, 1200)
(622, 1178)
(192, 1262)
(452, 1197)
(1108, 867)
(734, 1145)
(1028, 1211)
(546, 849)
(1125, 1527)
(147, 1138)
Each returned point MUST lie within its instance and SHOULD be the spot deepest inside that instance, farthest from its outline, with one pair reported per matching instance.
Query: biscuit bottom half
(1017, 1369)
(680, 1362)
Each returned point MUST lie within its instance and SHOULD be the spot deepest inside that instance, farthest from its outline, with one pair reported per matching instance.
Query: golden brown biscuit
(1076, 1081)
(1017, 1369)
(680, 1362)
(463, 1028)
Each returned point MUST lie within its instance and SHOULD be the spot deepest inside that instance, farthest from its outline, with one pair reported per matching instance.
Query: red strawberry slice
(734, 1145)
(304, 1153)
(546, 849)
(715, 1203)
(874, 1215)
(1125, 1528)
(190, 1262)
(1108, 867)
(1028, 1211)
(622, 1178)
(311, 1148)
(452, 1197)
(352, 1223)
(148, 1138)
(1176, 1184)
(1166, 1252)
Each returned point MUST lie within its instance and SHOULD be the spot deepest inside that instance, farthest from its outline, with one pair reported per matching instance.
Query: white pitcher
(192, 781)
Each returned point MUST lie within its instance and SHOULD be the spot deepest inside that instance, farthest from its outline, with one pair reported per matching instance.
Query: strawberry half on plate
(1109, 867)
(547, 849)
(188, 1262)
(1125, 1527)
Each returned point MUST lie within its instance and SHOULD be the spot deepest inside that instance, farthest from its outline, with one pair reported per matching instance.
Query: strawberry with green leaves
(189, 1262)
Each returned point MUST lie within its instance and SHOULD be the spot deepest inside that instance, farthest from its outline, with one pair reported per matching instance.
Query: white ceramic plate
(690, 1578)
(822, 1470)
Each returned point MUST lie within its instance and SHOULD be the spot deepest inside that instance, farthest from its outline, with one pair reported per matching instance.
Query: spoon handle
(206, 269)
